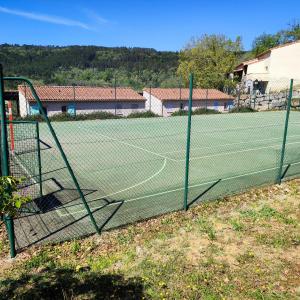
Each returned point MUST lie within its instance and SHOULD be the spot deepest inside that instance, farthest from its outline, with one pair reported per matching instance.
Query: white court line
(137, 147)
(239, 151)
(182, 188)
(242, 127)
(229, 144)
(131, 187)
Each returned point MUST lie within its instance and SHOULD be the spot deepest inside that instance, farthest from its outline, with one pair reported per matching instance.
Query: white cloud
(94, 16)
(45, 18)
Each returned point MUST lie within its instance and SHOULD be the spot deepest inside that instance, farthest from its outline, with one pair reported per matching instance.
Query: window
(118, 109)
(134, 106)
(64, 109)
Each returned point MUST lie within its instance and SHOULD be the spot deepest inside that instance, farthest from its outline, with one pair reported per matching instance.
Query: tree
(211, 58)
(292, 34)
(264, 42)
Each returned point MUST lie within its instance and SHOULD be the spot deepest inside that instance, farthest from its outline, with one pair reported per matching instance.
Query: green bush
(11, 200)
(242, 110)
(203, 111)
(101, 115)
(146, 114)
(179, 112)
(198, 111)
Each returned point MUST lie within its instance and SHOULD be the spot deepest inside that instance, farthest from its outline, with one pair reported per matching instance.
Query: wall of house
(153, 103)
(24, 106)
(259, 70)
(285, 65)
(122, 108)
(171, 106)
(285, 62)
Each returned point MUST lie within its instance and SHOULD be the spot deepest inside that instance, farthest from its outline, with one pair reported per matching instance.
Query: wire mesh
(233, 152)
(24, 156)
(130, 169)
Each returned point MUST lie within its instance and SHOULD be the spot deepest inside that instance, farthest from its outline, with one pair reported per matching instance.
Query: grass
(240, 247)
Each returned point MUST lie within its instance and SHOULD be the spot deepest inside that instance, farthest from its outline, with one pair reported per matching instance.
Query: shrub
(179, 112)
(101, 115)
(198, 111)
(146, 114)
(242, 110)
(11, 200)
(204, 111)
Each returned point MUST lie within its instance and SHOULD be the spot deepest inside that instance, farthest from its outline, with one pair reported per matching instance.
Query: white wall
(285, 62)
(261, 67)
(277, 68)
(24, 106)
(90, 107)
(153, 103)
(174, 105)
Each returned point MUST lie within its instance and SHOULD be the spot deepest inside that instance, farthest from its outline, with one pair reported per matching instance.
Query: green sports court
(134, 169)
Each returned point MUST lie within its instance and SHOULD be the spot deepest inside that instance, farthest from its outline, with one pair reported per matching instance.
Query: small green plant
(41, 259)
(242, 110)
(146, 114)
(205, 111)
(75, 247)
(180, 112)
(11, 199)
(237, 225)
(206, 227)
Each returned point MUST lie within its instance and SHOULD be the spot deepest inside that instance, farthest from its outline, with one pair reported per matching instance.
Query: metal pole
(285, 131)
(39, 158)
(9, 222)
(150, 98)
(62, 153)
(188, 145)
(206, 99)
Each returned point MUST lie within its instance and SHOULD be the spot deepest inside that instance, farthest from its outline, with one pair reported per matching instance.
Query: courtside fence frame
(186, 184)
(5, 153)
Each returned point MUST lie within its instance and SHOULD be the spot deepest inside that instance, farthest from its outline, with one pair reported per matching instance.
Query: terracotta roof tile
(82, 93)
(183, 94)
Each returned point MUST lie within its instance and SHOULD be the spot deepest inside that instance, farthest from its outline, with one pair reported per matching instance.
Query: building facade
(271, 70)
(80, 100)
(165, 101)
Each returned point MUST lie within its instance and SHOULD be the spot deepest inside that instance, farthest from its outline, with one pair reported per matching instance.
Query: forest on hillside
(92, 65)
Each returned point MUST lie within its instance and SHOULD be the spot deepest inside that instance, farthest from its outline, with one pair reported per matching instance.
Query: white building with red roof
(80, 100)
(273, 69)
(165, 101)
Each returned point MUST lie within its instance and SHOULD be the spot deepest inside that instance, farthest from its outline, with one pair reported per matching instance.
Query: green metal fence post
(188, 145)
(39, 158)
(9, 222)
(61, 151)
(289, 100)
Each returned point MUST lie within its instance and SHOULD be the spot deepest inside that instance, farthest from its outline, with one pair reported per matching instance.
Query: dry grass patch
(245, 246)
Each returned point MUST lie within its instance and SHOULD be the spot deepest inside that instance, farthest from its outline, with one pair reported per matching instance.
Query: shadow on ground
(69, 284)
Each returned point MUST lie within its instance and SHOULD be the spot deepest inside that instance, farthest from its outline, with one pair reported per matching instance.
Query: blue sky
(159, 24)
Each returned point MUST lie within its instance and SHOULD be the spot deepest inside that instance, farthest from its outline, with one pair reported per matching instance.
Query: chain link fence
(100, 158)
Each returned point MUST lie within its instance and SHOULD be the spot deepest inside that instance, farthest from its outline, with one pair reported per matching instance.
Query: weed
(206, 227)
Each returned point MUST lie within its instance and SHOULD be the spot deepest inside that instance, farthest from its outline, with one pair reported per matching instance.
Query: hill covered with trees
(93, 65)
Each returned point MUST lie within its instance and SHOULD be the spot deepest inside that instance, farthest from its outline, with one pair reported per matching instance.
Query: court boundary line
(229, 144)
(137, 147)
(182, 188)
(126, 189)
(239, 151)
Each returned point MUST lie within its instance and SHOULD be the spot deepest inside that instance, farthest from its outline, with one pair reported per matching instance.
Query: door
(216, 105)
(71, 110)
